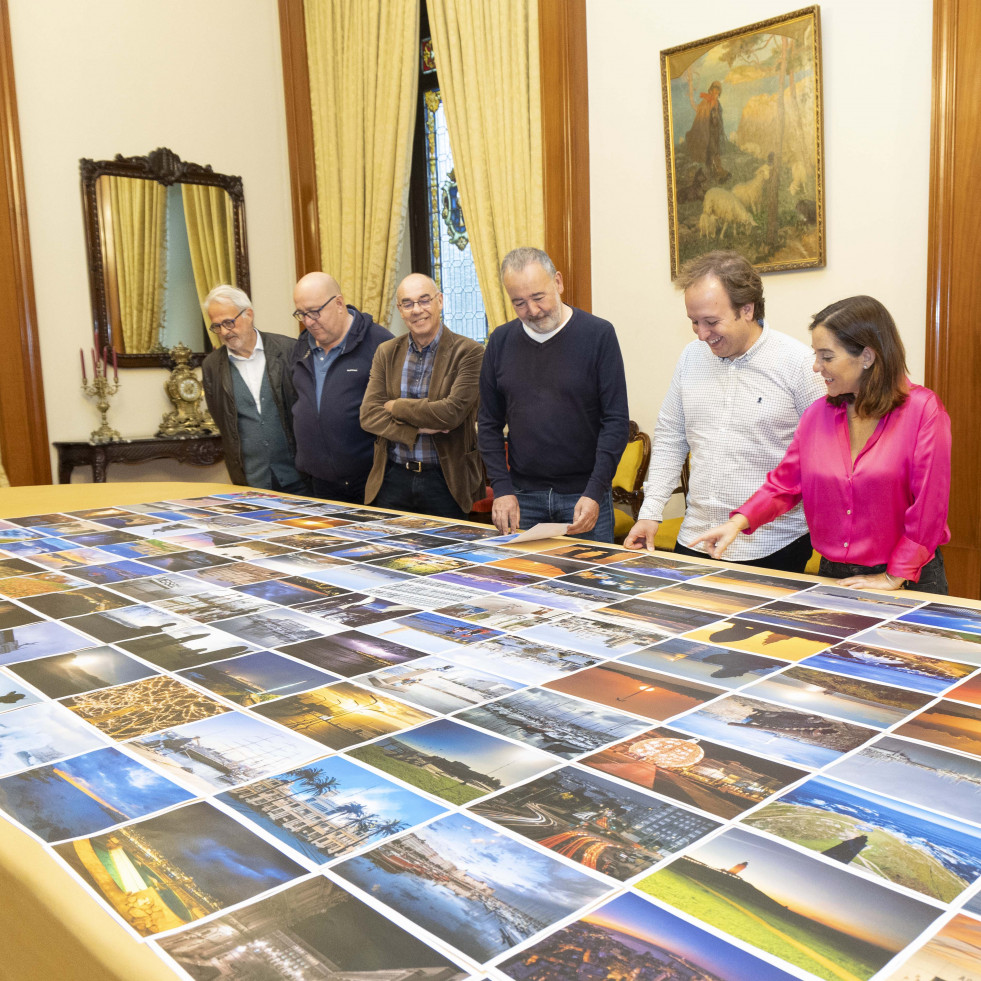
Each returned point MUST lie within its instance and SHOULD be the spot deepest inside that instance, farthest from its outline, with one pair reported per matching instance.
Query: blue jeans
(550, 506)
(422, 493)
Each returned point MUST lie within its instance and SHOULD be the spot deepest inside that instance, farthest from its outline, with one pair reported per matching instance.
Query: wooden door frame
(23, 420)
(565, 140)
(953, 355)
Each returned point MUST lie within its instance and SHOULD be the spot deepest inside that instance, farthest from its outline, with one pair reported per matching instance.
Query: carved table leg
(99, 465)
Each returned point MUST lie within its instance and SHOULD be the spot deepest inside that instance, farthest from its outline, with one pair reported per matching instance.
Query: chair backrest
(628, 481)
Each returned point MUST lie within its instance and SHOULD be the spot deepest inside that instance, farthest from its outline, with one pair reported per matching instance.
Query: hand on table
(642, 535)
(881, 581)
(584, 516)
(718, 539)
(506, 514)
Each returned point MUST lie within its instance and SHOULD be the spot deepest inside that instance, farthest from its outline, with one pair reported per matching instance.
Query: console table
(199, 451)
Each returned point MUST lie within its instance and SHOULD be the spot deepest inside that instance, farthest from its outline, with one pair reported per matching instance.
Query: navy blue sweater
(565, 405)
(330, 443)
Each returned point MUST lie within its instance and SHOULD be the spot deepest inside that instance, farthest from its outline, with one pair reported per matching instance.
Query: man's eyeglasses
(226, 324)
(312, 314)
(425, 302)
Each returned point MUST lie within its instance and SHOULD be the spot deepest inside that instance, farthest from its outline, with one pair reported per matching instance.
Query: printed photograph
(920, 638)
(89, 599)
(452, 761)
(562, 595)
(587, 552)
(813, 915)
(439, 685)
(428, 593)
(86, 794)
(329, 807)
(39, 640)
(361, 577)
(474, 888)
(233, 574)
(721, 602)
(539, 564)
(125, 623)
(787, 643)
(420, 563)
(704, 662)
(185, 646)
(633, 938)
(954, 951)
(10, 566)
(615, 581)
(504, 611)
(355, 609)
(70, 558)
(15, 694)
(43, 733)
(223, 751)
(417, 541)
(431, 632)
(744, 581)
(291, 590)
(37, 583)
(143, 706)
(351, 653)
(836, 694)
(697, 772)
(151, 589)
(661, 566)
(968, 691)
(523, 660)
(145, 548)
(811, 618)
(891, 667)
(789, 735)
(948, 724)
(360, 551)
(614, 830)
(185, 561)
(113, 572)
(923, 775)
(861, 601)
(490, 578)
(472, 553)
(662, 619)
(923, 851)
(275, 627)
(341, 715)
(166, 871)
(317, 928)
(963, 618)
(553, 722)
(467, 533)
(305, 563)
(255, 678)
(210, 605)
(588, 636)
(249, 550)
(13, 615)
(647, 693)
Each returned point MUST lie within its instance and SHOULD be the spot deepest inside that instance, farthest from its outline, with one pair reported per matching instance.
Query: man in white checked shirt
(734, 402)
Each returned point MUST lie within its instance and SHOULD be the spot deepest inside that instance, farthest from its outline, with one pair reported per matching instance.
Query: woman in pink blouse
(871, 462)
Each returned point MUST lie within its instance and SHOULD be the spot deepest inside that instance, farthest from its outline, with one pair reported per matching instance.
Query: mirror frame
(165, 167)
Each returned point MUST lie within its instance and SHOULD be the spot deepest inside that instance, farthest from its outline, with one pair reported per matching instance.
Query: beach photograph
(788, 643)
(948, 724)
(704, 662)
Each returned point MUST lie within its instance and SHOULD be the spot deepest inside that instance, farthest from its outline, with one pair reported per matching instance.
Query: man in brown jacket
(421, 404)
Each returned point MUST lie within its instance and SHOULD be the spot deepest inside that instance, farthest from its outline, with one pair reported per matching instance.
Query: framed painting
(743, 135)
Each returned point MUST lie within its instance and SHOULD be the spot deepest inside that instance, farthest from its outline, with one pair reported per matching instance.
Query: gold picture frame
(745, 166)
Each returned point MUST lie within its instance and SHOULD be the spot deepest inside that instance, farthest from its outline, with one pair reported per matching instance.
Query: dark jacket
(330, 443)
(451, 404)
(216, 377)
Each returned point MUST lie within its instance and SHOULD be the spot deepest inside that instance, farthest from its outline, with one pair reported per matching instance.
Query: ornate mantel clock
(189, 416)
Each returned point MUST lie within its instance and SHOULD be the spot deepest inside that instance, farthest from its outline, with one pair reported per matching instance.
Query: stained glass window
(441, 221)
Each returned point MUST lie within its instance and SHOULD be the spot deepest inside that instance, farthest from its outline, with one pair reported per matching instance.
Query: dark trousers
(424, 492)
(791, 558)
(933, 577)
(349, 491)
(299, 486)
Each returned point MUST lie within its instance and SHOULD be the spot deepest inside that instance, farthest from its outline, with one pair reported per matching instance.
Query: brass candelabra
(101, 389)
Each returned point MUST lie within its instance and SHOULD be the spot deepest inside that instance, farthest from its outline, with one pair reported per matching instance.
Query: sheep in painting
(706, 226)
(750, 193)
(726, 209)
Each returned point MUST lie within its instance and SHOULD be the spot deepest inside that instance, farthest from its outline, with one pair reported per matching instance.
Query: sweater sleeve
(492, 418)
(614, 417)
(925, 521)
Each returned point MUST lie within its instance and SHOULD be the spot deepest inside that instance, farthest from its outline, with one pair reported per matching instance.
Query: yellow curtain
(139, 211)
(363, 64)
(487, 59)
(211, 237)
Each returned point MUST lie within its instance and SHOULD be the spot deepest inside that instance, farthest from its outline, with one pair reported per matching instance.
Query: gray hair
(518, 259)
(232, 294)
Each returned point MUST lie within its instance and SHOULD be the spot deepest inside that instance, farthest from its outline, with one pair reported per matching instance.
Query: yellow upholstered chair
(628, 481)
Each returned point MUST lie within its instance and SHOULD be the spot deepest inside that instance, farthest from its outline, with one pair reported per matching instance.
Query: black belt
(417, 466)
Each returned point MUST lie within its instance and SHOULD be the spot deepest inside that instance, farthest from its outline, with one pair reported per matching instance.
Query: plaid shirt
(416, 373)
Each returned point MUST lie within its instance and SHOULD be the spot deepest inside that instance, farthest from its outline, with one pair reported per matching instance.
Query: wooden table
(199, 451)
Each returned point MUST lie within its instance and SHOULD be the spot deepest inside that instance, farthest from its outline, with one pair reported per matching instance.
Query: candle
(115, 367)
(81, 357)
(95, 364)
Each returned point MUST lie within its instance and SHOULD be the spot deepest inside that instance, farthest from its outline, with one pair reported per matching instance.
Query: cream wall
(101, 77)
(877, 79)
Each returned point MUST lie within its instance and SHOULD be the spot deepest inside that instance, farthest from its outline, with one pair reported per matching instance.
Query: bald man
(331, 364)
(421, 404)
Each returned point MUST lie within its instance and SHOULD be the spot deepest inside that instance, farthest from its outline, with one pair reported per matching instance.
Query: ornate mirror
(160, 233)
